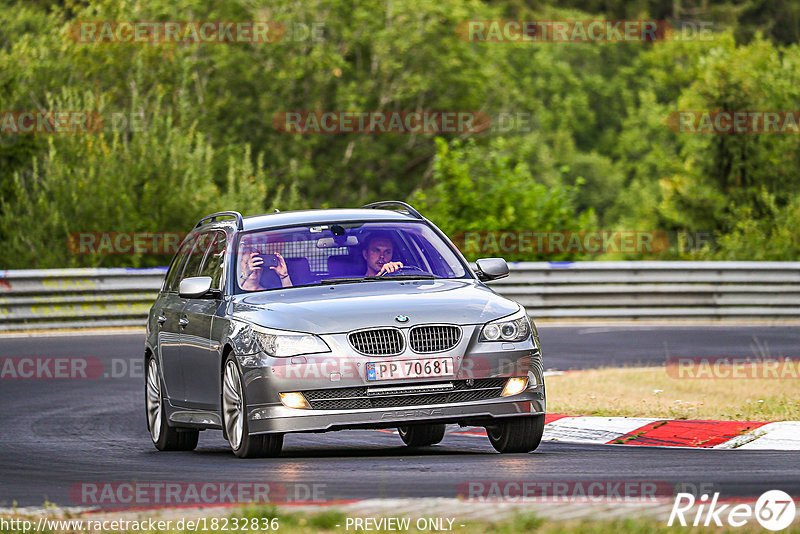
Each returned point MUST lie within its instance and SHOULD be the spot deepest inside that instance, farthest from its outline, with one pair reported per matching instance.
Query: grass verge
(653, 392)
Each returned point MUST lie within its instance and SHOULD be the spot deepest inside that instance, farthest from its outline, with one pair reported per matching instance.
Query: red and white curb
(654, 432)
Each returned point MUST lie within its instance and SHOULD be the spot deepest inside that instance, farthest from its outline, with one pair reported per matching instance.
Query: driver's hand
(390, 267)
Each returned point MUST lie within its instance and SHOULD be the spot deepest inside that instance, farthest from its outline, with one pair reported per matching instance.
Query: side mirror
(491, 269)
(194, 287)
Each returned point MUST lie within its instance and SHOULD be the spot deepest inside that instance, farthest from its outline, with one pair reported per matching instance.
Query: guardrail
(66, 298)
(655, 289)
(76, 298)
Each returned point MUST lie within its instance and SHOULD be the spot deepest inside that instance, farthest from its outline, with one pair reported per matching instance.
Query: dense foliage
(188, 128)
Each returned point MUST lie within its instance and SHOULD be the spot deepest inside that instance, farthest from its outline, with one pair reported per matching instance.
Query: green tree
(157, 180)
(486, 189)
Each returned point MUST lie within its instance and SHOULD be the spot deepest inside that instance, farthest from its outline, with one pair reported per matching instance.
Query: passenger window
(171, 280)
(215, 259)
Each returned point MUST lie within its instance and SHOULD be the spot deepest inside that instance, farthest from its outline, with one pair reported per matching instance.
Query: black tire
(517, 434)
(260, 446)
(164, 437)
(422, 435)
(242, 443)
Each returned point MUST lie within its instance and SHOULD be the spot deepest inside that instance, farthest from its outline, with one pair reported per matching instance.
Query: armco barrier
(67, 298)
(655, 289)
(61, 298)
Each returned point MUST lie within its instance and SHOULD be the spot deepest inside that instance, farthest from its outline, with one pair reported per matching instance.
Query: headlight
(514, 328)
(285, 344)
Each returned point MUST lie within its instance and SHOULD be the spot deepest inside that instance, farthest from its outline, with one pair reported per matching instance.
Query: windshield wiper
(330, 281)
(402, 277)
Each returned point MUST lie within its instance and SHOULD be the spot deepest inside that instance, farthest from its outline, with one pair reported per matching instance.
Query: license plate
(422, 368)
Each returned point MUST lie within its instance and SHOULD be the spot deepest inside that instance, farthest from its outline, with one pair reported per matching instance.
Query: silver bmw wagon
(321, 320)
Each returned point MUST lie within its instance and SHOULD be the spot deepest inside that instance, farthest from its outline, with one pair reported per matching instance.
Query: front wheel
(517, 434)
(421, 435)
(234, 418)
(165, 437)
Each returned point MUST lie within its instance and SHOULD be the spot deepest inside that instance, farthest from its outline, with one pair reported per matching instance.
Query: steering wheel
(407, 268)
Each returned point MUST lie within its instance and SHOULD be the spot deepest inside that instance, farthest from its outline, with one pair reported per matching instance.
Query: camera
(270, 260)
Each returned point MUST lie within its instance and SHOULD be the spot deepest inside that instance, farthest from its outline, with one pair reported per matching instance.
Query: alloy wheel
(153, 400)
(232, 404)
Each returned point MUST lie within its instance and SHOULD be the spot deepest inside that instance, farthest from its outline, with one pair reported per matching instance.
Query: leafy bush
(597, 152)
(158, 180)
(486, 189)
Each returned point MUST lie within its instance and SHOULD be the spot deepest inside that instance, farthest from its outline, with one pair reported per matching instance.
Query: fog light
(514, 386)
(295, 400)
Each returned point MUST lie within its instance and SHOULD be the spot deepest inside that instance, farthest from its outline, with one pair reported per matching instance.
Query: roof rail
(385, 203)
(213, 218)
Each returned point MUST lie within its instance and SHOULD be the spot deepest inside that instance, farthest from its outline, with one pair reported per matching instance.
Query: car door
(169, 308)
(194, 261)
(199, 352)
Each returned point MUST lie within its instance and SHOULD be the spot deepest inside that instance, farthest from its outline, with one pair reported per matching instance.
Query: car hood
(345, 307)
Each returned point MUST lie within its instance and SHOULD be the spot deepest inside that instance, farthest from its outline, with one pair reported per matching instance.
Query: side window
(171, 281)
(215, 259)
(196, 256)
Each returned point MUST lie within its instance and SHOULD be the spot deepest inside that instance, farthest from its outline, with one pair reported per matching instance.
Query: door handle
(161, 320)
(183, 322)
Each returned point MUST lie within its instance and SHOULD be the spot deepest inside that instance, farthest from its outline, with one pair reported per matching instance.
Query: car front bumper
(279, 419)
(473, 360)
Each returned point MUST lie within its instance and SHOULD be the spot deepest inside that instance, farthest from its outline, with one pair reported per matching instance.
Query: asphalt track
(59, 433)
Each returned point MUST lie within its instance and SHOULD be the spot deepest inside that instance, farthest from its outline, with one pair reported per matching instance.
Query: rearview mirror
(491, 269)
(338, 241)
(194, 287)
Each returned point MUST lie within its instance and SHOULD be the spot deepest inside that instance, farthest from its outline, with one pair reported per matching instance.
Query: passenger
(251, 268)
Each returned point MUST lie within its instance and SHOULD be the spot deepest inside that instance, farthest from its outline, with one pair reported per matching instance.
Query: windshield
(346, 252)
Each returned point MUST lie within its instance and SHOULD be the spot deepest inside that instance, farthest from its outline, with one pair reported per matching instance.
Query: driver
(377, 252)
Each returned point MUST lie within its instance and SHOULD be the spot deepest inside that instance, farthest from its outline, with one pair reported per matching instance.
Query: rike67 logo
(774, 510)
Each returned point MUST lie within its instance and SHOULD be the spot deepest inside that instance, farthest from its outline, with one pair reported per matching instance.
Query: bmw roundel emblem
(401, 319)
